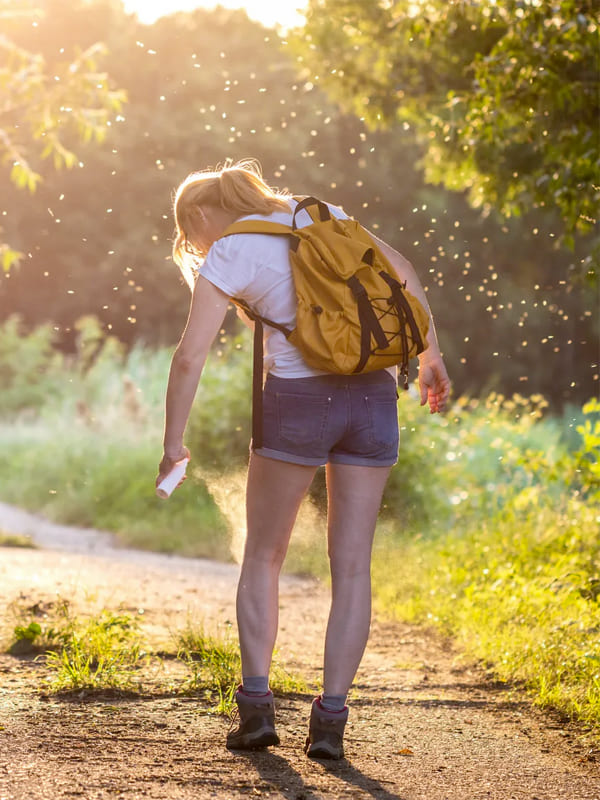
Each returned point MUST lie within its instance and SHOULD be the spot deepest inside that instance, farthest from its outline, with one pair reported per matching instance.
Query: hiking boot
(256, 728)
(325, 732)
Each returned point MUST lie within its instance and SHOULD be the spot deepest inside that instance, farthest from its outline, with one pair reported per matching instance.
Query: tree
(503, 94)
(210, 85)
(44, 107)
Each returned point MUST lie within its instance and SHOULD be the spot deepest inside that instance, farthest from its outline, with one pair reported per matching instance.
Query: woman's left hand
(434, 384)
(167, 463)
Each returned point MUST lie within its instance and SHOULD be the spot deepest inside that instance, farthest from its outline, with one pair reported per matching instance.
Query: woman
(311, 418)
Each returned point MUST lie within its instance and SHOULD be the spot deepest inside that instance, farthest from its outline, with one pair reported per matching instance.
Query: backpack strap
(402, 302)
(257, 226)
(257, 367)
(257, 386)
(369, 324)
(275, 229)
(305, 203)
(249, 312)
(406, 315)
(278, 228)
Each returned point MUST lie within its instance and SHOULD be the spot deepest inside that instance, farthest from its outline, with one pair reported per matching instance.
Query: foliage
(44, 105)
(40, 627)
(14, 540)
(108, 650)
(461, 464)
(587, 457)
(219, 427)
(95, 652)
(87, 432)
(31, 370)
(92, 476)
(101, 653)
(503, 95)
(106, 402)
(517, 583)
(215, 667)
(8, 257)
(214, 663)
(27, 634)
(489, 527)
(97, 237)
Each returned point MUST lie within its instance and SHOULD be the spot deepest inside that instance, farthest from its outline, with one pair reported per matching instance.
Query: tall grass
(513, 572)
(81, 652)
(489, 526)
(214, 664)
(112, 650)
(85, 452)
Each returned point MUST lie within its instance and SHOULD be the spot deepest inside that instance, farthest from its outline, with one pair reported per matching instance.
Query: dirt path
(424, 724)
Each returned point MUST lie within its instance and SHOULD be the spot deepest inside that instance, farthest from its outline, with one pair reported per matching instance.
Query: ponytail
(238, 188)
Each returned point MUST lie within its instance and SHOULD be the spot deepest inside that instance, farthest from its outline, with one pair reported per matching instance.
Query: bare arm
(434, 384)
(207, 312)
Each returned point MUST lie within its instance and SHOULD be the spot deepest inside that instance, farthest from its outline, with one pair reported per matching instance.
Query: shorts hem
(291, 458)
(331, 458)
(358, 461)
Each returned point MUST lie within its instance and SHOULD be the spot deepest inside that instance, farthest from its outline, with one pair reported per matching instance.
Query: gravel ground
(424, 724)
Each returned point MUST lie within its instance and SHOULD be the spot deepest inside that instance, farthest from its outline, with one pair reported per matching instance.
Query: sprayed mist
(308, 548)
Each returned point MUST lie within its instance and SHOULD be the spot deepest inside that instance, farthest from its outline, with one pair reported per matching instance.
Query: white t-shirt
(255, 267)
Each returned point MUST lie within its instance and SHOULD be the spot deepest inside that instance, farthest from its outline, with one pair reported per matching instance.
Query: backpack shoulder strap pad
(257, 226)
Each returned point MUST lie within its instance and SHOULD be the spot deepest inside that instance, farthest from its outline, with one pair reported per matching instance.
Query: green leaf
(9, 258)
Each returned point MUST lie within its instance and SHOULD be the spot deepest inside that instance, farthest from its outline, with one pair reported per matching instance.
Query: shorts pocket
(302, 419)
(382, 413)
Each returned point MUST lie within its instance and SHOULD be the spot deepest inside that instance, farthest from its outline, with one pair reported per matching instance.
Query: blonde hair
(237, 188)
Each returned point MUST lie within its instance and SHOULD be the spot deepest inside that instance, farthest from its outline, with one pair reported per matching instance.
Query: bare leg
(354, 496)
(274, 493)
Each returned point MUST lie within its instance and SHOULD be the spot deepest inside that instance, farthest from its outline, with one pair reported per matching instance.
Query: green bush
(31, 370)
(518, 585)
(219, 428)
(90, 452)
(461, 463)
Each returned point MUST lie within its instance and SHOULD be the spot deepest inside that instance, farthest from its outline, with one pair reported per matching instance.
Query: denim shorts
(340, 419)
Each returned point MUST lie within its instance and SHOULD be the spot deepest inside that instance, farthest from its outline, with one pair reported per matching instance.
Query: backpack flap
(353, 315)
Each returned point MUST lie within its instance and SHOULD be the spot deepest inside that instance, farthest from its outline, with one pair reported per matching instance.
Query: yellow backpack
(353, 314)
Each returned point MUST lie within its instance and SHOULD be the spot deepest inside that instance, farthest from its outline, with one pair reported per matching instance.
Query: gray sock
(255, 685)
(333, 702)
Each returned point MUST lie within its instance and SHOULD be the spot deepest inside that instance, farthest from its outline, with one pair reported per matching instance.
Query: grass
(104, 479)
(488, 528)
(108, 651)
(81, 652)
(15, 540)
(518, 588)
(215, 667)
(530, 616)
(101, 653)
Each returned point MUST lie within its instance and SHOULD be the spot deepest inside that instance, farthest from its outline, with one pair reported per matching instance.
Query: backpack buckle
(356, 286)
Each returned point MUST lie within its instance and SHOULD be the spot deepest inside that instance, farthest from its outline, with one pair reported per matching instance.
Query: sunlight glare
(284, 13)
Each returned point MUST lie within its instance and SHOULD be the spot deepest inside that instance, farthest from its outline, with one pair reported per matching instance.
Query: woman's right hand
(168, 462)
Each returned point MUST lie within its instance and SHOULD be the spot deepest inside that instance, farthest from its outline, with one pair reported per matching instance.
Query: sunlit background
(490, 517)
(284, 13)
(204, 84)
